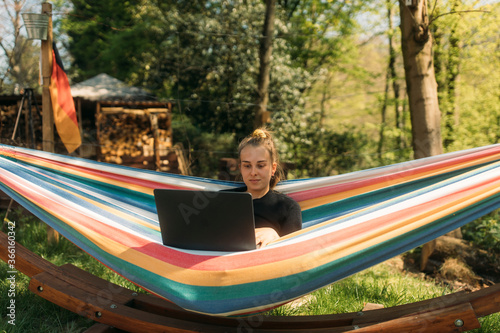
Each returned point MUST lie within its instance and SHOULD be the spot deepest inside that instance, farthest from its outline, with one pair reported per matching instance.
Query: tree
(100, 40)
(420, 79)
(265, 51)
(421, 87)
(319, 32)
(391, 80)
(20, 55)
(453, 40)
(466, 69)
(447, 64)
(477, 93)
(204, 54)
(319, 36)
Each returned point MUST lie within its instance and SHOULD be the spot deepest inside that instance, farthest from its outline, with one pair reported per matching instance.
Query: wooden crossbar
(125, 310)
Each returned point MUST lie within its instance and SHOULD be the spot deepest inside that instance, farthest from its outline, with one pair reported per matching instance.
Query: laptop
(206, 220)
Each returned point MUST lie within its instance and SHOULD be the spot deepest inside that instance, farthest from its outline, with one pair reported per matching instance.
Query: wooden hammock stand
(117, 309)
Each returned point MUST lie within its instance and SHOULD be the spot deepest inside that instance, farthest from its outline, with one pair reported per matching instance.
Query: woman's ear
(275, 166)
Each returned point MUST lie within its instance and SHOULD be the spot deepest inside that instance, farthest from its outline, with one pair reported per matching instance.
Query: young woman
(275, 213)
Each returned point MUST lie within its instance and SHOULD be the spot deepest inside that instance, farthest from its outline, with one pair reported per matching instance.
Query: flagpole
(47, 114)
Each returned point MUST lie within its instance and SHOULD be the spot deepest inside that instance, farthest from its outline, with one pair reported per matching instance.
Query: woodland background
(337, 99)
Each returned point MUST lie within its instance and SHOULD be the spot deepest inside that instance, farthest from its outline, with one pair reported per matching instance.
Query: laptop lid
(206, 220)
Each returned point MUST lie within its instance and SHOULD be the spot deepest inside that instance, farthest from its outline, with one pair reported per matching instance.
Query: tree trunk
(416, 40)
(393, 74)
(451, 85)
(265, 51)
(420, 79)
(383, 111)
(391, 79)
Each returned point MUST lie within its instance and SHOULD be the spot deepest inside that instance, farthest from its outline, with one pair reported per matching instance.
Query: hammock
(351, 222)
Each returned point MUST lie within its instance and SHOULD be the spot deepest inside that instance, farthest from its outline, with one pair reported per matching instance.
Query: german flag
(63, 105)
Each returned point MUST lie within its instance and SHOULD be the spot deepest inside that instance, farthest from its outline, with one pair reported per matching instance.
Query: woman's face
(256, 169)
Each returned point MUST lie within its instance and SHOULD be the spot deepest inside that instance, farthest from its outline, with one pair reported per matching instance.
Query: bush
(484, 232)
(203, 149)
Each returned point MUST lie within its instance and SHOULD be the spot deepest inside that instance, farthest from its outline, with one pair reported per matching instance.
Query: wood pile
(8, 117)
(7, 120)
(139, 138)
(131, 136)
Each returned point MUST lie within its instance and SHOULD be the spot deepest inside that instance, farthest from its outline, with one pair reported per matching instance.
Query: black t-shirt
(276, 210)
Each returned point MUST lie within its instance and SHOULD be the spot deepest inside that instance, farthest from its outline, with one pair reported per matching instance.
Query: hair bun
(259, 133)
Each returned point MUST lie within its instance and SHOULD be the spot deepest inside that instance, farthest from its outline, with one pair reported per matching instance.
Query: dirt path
(456, 264)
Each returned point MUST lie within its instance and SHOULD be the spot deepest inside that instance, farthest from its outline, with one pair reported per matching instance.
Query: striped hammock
(351, 222)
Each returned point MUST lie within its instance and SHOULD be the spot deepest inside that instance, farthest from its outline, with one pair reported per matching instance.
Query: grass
(33, 313)
(382, 284)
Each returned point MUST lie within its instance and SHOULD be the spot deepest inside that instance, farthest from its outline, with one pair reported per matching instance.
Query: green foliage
(467, 70)
(210, 147)
(99, 38)
(319, 31)
(204, 55)
(326, 74)
(319, 151)
(484, 232)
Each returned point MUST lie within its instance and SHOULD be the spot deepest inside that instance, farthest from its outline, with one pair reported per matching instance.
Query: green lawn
(383, 284)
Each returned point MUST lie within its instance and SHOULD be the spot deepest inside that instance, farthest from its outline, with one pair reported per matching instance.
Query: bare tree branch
(459, 12)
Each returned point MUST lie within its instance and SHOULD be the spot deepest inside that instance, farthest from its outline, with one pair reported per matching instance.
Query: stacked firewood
(130, 137)
(8, 117)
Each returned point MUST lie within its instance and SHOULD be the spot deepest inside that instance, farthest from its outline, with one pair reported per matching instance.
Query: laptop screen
(206, 220)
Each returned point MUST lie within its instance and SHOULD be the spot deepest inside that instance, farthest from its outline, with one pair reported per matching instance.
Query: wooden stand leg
(52, 235)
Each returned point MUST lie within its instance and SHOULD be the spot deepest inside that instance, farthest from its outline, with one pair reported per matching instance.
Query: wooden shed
(126, 125)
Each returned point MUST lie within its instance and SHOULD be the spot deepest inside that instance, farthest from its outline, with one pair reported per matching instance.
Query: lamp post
(39, 26)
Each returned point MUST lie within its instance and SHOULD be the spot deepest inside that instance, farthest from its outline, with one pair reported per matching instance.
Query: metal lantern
(36, 25)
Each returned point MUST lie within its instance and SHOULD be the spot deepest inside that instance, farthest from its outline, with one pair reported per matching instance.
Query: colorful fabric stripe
(351, 222)
(63, 106)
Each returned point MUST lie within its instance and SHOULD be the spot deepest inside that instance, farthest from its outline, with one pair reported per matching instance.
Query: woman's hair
(263, 137)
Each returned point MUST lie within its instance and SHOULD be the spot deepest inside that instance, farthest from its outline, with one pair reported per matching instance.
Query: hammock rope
(351, 222)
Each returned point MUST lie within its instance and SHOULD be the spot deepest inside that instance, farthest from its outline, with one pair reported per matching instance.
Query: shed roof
(105, 87)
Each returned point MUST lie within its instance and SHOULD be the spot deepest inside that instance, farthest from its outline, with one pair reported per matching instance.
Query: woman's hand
(264, 236)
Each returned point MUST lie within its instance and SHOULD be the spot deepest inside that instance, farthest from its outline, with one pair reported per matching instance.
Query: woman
(275, 213)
